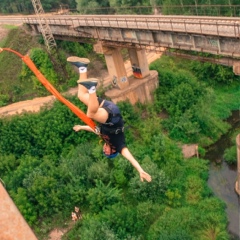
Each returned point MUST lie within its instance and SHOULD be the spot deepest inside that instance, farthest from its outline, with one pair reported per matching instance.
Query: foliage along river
(222, 177)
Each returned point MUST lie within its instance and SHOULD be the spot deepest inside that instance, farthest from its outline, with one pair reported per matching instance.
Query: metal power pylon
(49, 39)
(44, 26)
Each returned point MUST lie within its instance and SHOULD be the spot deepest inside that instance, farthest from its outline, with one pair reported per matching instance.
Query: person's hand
(77, 128)
(145, 176)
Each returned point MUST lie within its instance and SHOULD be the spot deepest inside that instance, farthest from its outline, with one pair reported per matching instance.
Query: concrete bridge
(110, 33)
(216, 35)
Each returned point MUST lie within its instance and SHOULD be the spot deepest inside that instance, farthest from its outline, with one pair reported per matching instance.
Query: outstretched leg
(94, 111)
(87, 90)
(81, 64)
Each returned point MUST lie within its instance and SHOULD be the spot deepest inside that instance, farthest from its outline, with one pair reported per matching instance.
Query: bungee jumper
(106, 113)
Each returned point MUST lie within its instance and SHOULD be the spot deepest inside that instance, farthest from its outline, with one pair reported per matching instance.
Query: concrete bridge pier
(138, 59)
(34, 29)
(132, 89)
(236, 68)
(115, 65)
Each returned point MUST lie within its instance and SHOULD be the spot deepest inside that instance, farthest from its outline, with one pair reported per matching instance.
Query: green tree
(194, 189)
(102, 195)
(174, 223)
(92, 229)
(213, 73)
(27, 164)
(230, 155)
(121, 172)
(8, 164)
(142, 191)
(45, 66)
(27, 209)
(99, 171)
(213, 232)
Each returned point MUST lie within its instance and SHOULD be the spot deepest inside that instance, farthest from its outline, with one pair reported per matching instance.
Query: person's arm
(77, 128)
(143, 175)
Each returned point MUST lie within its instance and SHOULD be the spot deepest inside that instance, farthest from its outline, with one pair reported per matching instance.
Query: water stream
(222, 177)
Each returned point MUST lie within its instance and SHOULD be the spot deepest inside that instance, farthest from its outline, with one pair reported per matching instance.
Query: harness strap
(111, 130)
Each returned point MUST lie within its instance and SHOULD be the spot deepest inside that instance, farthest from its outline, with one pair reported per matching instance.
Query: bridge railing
(193, 10)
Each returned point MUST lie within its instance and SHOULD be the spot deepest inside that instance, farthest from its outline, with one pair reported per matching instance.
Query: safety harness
(108, 126)
(112, 130)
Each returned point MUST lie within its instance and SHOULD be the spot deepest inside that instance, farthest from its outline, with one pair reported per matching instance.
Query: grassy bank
(11, 88)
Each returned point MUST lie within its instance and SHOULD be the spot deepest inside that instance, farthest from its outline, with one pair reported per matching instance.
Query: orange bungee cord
(52, 90)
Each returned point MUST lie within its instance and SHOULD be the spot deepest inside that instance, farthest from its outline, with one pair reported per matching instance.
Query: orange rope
(52, 90)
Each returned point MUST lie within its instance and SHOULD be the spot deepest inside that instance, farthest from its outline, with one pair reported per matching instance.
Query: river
(222, 177)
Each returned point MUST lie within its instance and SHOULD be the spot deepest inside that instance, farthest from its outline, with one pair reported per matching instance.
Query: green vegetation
(185, 93)
(230, 154)
(48, 168)
(166, 7)
(19, 83)
(12, 89)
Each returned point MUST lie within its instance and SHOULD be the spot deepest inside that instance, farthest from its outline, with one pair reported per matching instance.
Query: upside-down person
(107, 114)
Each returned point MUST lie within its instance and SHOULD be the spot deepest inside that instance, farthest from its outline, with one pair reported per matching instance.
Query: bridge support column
(115, 65)
(34, 29)
(138, 59)
(236, 68)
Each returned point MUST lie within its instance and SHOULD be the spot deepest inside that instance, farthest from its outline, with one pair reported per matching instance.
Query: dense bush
(186, 100)
(230, 155)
